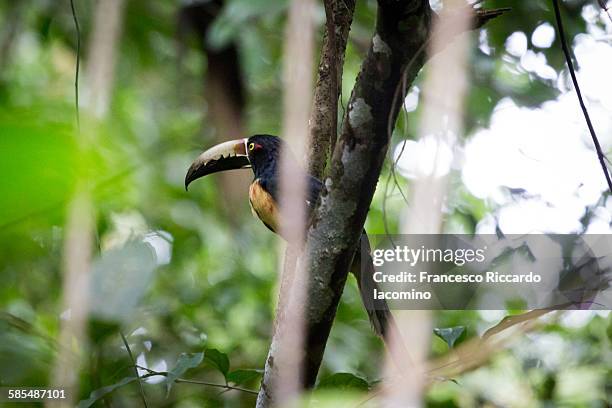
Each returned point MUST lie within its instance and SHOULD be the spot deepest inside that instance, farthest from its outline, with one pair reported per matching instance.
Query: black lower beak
(225, 156)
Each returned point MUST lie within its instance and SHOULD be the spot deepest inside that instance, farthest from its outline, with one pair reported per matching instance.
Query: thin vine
(227, 387)
(129, 351)
(585, 112)
(78, 63)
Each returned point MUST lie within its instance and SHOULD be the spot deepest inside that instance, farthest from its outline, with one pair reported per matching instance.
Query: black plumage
(265, 159)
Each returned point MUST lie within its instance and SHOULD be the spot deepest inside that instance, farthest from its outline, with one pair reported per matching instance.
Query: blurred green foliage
(179, 274)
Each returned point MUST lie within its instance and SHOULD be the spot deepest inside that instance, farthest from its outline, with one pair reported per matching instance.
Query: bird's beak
(225, 156)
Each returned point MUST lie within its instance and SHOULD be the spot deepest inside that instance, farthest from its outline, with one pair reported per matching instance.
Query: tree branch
(281, 382)
(401, 30)
(324, 115)
(395, 57)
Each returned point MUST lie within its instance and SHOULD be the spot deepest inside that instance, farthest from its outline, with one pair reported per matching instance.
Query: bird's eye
(251, 146)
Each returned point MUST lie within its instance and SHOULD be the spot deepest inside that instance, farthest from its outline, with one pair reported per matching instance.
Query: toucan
(262, 153)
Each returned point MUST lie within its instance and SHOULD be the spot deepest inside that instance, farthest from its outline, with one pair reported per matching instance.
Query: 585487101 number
(31, 394)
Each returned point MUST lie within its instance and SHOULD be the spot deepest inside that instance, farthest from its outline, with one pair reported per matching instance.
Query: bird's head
(260, 152)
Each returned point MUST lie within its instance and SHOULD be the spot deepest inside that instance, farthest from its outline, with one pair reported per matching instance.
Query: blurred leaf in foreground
(120, 278)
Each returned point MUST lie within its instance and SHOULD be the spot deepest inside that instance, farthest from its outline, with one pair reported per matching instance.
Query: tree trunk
(80, 226)
(102, 53)
(224, 91)
(395, 56)
(282, 377)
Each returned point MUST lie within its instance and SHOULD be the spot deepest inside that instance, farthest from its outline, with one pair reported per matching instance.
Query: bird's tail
(363, 269)
(380, 316)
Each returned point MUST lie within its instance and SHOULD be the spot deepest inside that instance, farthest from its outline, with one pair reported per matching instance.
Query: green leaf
(449, 334)
(218, 360)
(101, 392)
(344, 381)
(184, 363)
(239, 377)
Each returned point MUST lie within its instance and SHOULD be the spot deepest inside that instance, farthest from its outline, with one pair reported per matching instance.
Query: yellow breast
(263, 205)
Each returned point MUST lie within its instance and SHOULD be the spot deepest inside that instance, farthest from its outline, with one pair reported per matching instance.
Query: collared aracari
(261, 153)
